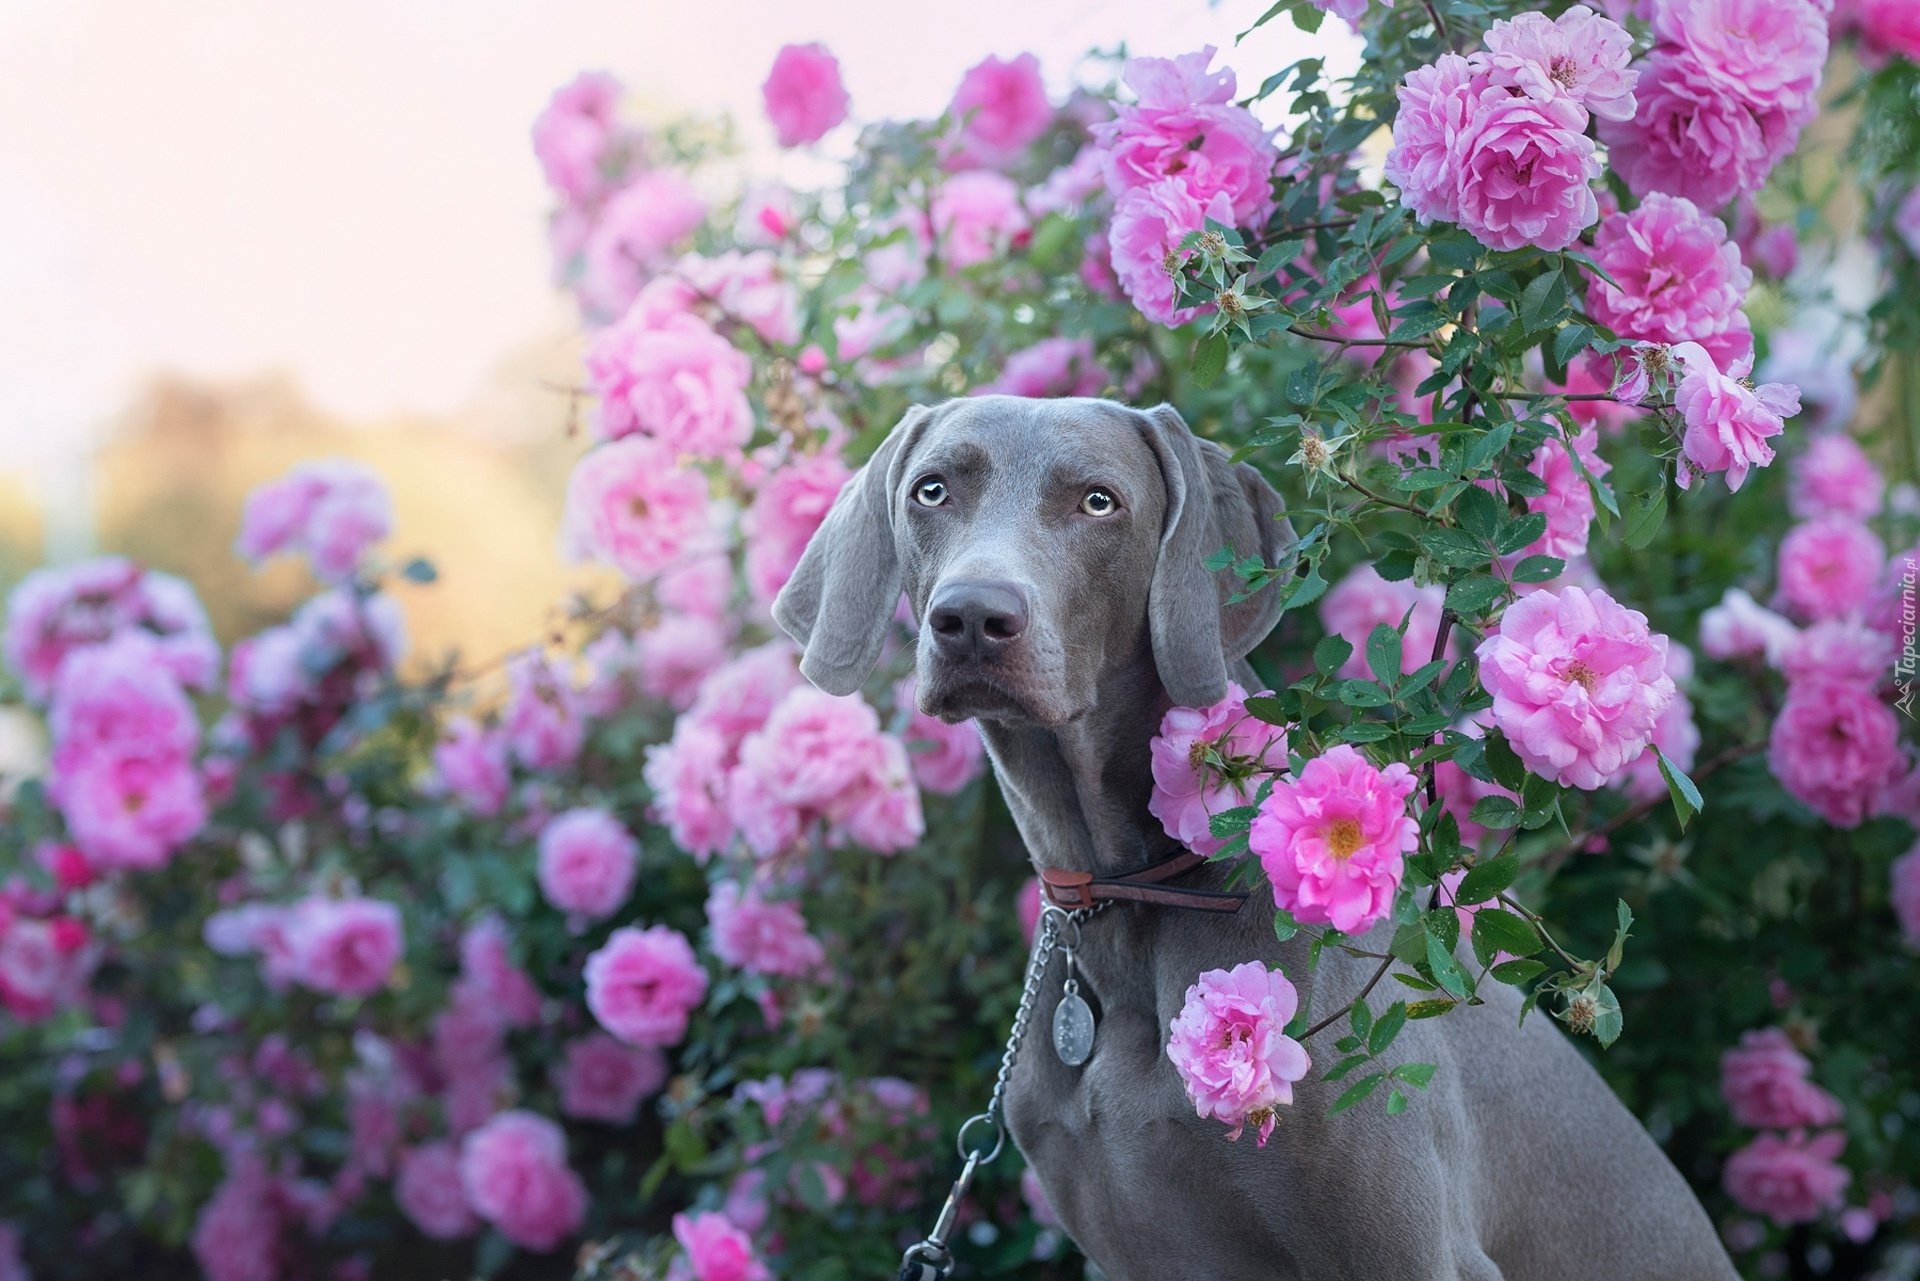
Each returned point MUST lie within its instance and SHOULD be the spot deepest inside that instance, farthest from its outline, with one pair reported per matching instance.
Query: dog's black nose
(973, 620)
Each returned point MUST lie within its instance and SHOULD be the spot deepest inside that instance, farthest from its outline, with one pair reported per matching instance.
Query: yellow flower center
(1583, 676)
(1343, 838)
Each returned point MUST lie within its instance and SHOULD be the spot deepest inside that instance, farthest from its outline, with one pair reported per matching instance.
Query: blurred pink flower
(574, 136)
(542, 723)
(1578, 683)
(803, 93)
(1186, 794)
(1676, 277)
(1000, 107)
(599, 1079)
(236, 1235)
(674, 380)
(1186, 128)
(1834, 477)
(635, 235)
(761, 937)
(497, 985)
(1568, 503)
(1829, 567)
(1789, 1178)
(1906, 221)
(1674, 733)
(688, 776)
(471, 763)
(1052, 367)
(427, 1189)
(787, 509)
(1835, 747)
(53, 612)
(1839, 649)
(675, 655)
(631, 505)
(643, 984)
(1363, 601)
(586, 863)
(1738, 627)
(1904, 891)
(514, 1169)
(1692, 136)
(1888, 27)
(716, 1249)
(945, 758)
(744, 288)
(333, 511)
(977, 217)
(1766, 1084)
(345, 947)
(1334, 840)
(1228, 1044)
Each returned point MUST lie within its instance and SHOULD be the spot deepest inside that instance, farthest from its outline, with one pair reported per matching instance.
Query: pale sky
(343, 190)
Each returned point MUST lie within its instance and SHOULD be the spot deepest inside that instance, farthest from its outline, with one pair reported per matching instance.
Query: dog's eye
(930, 492)
(1099, 502)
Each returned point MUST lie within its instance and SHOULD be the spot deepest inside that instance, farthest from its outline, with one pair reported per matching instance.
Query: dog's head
(1040, 543)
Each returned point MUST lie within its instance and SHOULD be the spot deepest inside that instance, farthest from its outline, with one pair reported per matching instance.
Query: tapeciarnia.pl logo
(1904, 667)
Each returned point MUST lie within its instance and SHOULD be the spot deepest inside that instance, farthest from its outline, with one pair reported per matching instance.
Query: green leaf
(1387, 1027)
(1219, 560)
(1331, 654)
(1541, 300)
(1483, 449)
(1473, 595)
(1396, 1103)
(1521, 531)
(1346, 1065)
(1284, 926)
(1486, 880)
(1422, 478)
(419, 570)
(1623, 928)
(1644, 516)
(1429, 1009)
(1307, 18)
(1479, 512)
(1516, 972)
(1358, 693)
(1265, 707)
(1356, 1092)
(1501, 931)
(1505, 762)
(1418, 1075)
(1538, 569)
(1446, 970)
(1454, 547)
(1570, 342)
(1362, 1019)
(1497, 812)
(1383, 654)
(1307, 590)
(1210, 360)
(1232, 822)
(1609, 1022)
(1686, 796)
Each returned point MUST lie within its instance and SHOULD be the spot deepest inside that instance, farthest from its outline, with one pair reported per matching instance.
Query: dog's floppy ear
(845, 588)
(1211, 503)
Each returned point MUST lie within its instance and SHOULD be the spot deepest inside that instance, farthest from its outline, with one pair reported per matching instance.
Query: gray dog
(1051, 551)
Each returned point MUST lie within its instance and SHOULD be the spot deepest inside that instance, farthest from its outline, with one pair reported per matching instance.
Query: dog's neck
(1078, 792)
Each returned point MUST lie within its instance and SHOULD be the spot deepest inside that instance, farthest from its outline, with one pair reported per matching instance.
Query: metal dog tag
(1073, 1028)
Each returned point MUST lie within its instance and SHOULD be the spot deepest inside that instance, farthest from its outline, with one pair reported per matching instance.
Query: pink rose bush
(1229, 1045)
(1334, 842)
(803, 93)
(1363, 601)
(716, 1250)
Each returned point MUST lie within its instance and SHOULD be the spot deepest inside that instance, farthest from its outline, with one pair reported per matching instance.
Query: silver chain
(932, 1259)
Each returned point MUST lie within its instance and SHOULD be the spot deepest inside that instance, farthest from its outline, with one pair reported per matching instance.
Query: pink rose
(643, 984)
(128, 810)
(1692, 136)
(1524, 170)
(977, 217)
(1580, 56)
(1768, 53)
(1829, 566)
(1888, 27)
(634, 236)
(803, 93)
(788, 508)
(1186, 127)
(472, 765)
(750, 288)
(1676, 278)
(1363, 601)
(1230, 1047)
(1766, 1084)
(1578, 683)
(514, 1169)
(1435, 102)
(53, 612)
(1834, 747)
(716, 1249)
(332, 511)
(574, 136)
(600, 1079)
(1834, 477)
(1186, 791)
(1738, 627)
(1904, 892)
(1675, 734)
(542, 724)
(427, 1189)
(345, 947)
(1789, 1178)
(945, 757)
(1148, 225)
(688, 776)
(491, 980)
(1839, 649)
(675, 655)
(1568, 503)
(1052, 367)
(630, 504)
(236, 1235)
(586, 863)
(761, 937)
(1000, 107)
(885, 814)
(674, 380)
(1334, 842)
(1727, 422)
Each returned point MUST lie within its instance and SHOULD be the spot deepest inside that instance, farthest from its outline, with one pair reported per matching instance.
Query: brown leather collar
(1071, 890)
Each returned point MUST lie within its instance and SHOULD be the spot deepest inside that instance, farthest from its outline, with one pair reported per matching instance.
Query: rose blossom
(1578, 683)
(642, 985)
(1148, 225)
(1186, 127)
(542, 724)
(675, 655)
(1674, 734)
(674, 379)
(1579, 55)
(977, 217)
(630, 504)
(1691, 136)
(688, 776)
(345, 947)
(1838, 649)
(514, 1169)
(1727, 422)
(1230, 1047)
(333, 511)
(716, 1250)
(1888, 27)
(586, 863)
(1568, 503)
(1052, 367)
(761, 937)
(1765, 1082)
(1834, 477)
(53, 612)
(1739, 627)
(1829, 566)
(1363, 601)
(1334, 841)
(471, 764)
(427, 1189)
(1904, 891)
(1767, 53)
(573, 135)
(1834, 747)
(635, 235)
(1434, 103)
(785, 512)
(1187, 794)
(803, 93)
(1000, 107)
(1789, 1178)
(1676, 277)
(1524, 170)
(749, 287)
(945, 757)
(600, 1079)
